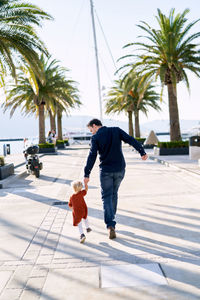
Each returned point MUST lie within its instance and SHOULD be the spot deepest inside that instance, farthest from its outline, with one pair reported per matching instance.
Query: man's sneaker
(111, 233)
(88, 229)
(82, 238)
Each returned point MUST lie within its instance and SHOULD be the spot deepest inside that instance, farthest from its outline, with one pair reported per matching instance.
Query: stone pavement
(182, 162)
(156, 254)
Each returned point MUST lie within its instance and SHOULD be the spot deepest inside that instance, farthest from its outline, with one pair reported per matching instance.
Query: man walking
(107, 141)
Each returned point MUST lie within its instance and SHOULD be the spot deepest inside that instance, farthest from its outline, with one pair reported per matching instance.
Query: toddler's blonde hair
(77, 186)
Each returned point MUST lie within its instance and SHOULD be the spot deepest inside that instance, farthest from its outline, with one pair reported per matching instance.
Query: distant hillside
(79, 123)
(18, 126)
(163, 125)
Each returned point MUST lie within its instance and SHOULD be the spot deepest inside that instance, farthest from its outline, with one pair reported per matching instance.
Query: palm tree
(132, 96)
(116, 103)
(18, 39)
(170, 51)
(52, 118)
(34, 95)
(150, 100)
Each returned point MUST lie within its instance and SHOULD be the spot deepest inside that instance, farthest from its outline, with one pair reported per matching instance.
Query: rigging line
(107, 72)
(106, 41)
(86, 63)
(76, 23)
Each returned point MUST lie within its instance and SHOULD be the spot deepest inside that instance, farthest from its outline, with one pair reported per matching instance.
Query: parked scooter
(33, 164)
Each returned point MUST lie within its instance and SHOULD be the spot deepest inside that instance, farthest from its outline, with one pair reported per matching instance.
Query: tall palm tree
(52, 118)
(132, 99)
(18, 39)
(170, 51)
(115, 101)
(34, 95)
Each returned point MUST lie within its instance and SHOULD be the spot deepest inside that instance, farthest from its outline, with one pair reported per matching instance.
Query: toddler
(79, 208)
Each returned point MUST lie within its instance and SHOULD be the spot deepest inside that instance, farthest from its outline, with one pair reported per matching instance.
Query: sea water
(17, 146)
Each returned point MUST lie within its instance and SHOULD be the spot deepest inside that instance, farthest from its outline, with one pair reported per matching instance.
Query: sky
(69, 39)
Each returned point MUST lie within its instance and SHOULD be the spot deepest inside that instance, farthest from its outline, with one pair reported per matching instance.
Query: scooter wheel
(37, 173)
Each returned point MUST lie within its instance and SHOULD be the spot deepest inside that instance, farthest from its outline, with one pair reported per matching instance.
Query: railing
(11, 146)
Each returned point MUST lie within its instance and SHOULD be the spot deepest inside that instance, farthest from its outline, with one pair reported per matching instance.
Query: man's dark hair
(94, 122)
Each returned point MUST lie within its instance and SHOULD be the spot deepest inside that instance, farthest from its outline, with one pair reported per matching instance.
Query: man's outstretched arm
(133, 142)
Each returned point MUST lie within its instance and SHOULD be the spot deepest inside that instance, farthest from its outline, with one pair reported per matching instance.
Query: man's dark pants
(110, 183)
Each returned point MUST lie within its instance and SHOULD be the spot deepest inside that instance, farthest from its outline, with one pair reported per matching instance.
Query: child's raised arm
(70, 203)
(86, 187)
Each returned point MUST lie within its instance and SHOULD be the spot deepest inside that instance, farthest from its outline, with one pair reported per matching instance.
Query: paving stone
(39, 272)
(47, 251)
(30, 295)
(56, 228)
(44, 259)
(34, 246)
(11, 294)
(35, 283)
(131, 275)
(16, 263)
(31, 254)
(69, 281)
(4, 278)
(19, 278)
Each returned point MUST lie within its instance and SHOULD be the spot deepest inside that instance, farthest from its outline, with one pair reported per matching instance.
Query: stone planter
(60, 146)
(148, 146)
(47, 150)
(6, 171)
(171, 151)
(194, 152)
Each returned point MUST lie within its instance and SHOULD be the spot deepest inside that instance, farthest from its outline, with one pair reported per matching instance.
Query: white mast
(97, 61)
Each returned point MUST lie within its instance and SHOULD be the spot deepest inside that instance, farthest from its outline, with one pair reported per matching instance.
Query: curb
(167, 164)
(6, 181)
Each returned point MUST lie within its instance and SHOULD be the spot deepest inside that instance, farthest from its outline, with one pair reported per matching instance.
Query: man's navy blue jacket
(108, 143)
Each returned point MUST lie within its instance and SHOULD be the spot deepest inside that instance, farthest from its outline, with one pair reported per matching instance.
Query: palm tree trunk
(42, 138)
(59, 125)
(175, 133)
(137, 124)
(130, 123)
(52, 121)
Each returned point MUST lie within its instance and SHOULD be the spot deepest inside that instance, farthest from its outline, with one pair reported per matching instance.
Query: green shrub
(176, 144)
(140, 140)
(2, 161)
(66, 141)
(60, 142)
(46, 145)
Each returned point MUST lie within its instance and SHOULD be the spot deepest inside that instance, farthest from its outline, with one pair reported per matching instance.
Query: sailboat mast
(97, 61)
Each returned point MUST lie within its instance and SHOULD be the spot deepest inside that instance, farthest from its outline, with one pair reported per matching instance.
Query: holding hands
(144, 157)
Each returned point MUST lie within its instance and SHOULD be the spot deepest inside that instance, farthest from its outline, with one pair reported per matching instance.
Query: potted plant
(47, 148)
(140, 140)
(60, 144)
(5, 169)
(172, 148)
(66, 141)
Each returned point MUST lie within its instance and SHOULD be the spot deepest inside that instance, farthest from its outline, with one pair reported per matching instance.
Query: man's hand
(144, 157)
(86, 180)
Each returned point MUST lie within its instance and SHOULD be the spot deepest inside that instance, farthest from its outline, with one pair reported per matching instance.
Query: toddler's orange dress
(79, 206)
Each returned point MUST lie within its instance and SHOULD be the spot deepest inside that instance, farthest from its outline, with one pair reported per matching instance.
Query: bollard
(4, 150)
(194, 147)
(8, 148)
